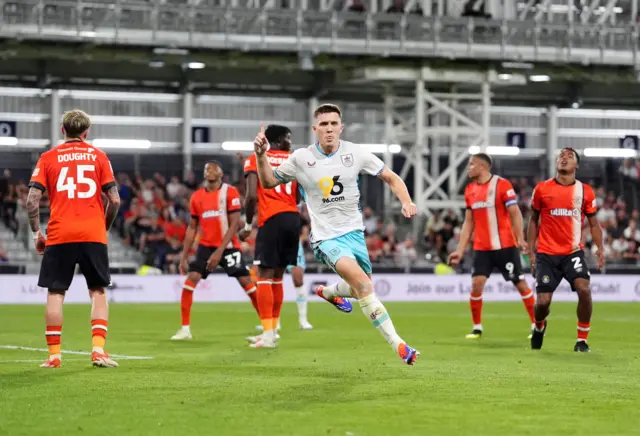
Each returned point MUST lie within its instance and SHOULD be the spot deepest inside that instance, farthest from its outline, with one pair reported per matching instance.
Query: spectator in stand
(370, 221)
(630, 168)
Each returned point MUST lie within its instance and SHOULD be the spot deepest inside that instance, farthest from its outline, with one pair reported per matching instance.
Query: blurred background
(423, 83)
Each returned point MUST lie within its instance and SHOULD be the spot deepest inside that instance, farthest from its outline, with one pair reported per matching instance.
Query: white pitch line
(81, 353)
(37, 360)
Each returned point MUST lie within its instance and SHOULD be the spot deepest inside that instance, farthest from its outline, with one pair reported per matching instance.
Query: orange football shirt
(562, 210)
(489, 204)
(74, 174)
(280, 199)
(212, 210)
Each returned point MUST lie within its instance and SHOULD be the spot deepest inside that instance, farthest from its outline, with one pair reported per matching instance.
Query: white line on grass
(36, 360)
(81, 353)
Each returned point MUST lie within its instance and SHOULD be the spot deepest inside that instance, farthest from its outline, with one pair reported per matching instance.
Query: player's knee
(583, 291)
(477, 287)
(194, 277)
(363, 289)
(543, 299)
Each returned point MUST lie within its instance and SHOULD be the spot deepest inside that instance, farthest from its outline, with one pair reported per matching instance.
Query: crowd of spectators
(154, 215)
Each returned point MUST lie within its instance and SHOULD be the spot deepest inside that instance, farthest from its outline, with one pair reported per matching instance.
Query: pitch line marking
(81, 353)
(37, 360)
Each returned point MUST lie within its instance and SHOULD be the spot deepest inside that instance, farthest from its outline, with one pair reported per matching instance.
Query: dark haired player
(215, 208)
(329, 172)
(278, 232)
(493, 214)
(559, 206)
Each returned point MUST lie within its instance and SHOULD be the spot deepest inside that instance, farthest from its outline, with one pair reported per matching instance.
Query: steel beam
(187, 116)
(54, 117)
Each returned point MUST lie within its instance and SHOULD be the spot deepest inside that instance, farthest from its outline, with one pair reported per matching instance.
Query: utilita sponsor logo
(565, 212)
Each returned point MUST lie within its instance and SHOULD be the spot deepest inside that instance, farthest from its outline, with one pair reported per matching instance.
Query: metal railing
(317, 32)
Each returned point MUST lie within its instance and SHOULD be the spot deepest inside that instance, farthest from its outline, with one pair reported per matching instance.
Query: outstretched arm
(397, 185)
(399, 189)
(265, 171)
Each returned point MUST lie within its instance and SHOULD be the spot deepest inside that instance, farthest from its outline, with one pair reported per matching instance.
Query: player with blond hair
(75, 174)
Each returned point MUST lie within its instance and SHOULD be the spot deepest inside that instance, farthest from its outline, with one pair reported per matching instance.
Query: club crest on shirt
(347, 159)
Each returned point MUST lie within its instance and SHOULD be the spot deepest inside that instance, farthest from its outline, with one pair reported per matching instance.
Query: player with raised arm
(215, 208)
(75, 174)
(278, 232)
(328, 172)
(555, 229)
(493, 214)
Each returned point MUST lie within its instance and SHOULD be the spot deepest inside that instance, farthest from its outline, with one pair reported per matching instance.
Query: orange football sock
(529, 301)
(583, 330)
(186, 301)
(251, 291)
(99, 332)
(278, 298)
(53, 335)
(475, 302)
(265, 303)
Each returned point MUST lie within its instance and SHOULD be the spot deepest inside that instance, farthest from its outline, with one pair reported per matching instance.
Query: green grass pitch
(339, 379)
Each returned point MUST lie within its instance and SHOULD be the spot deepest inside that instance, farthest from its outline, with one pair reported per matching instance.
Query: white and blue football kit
(330, 188)
(329, 184)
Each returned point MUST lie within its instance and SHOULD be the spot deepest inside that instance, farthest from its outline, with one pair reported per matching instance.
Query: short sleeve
(536, 199)
(107, 180)
(507, 193)
(371, 164)
(467, 197)
(39, 176)
(233, 200)
(250, 165)
(287, 170)
(193, 206)
(589, 206)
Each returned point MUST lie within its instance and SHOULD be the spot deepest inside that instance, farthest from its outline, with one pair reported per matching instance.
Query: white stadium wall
(23, 289)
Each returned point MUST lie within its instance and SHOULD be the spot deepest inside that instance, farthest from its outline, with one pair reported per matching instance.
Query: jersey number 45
(72, 186)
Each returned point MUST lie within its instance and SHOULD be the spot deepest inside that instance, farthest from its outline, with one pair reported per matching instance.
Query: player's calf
(186, 302)
(541, 313)
(585, 309)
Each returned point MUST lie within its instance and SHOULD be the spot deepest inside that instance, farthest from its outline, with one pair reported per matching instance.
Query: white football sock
(375, 312)
(340, 289)
(301, 302)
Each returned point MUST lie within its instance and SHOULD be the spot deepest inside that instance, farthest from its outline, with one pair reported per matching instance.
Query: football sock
(53, 335)
(186, 301)
(250, 290)
(301, 302)
(583, 330)
(529, 301)
(98, 334)
(278, 297)
(375, 311)
(539, 325)
(265, 306)
(475, 302)
(340, 289)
